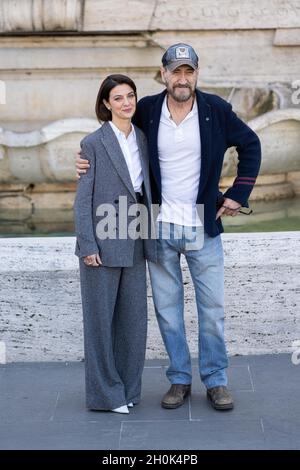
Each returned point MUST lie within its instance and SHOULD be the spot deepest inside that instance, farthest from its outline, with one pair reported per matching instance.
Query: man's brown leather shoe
(176, 395)
(220, 398)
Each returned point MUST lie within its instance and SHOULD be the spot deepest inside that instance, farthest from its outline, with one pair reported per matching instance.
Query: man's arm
(248, 147)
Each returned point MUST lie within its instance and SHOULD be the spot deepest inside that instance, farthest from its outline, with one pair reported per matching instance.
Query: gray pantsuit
(114, 297)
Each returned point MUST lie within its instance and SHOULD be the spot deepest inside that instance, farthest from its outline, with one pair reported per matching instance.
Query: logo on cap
(182, 53)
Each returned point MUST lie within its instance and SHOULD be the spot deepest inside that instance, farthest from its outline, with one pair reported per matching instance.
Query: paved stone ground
(42, 407)
(40, 306)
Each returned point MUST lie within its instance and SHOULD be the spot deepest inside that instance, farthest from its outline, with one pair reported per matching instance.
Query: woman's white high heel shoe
(130, 405)
(122, 409)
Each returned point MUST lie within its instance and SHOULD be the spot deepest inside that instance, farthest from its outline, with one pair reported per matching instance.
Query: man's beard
(180, 98)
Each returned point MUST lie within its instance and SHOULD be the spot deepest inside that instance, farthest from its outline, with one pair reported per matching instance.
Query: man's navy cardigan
(220, 128)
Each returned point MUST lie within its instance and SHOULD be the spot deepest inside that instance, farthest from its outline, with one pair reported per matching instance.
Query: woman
(112, 266)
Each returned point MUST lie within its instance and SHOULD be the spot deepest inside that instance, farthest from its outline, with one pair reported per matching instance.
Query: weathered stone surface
(287, 37)
(252, 102)
(118, 15)
(40, 15)
(294, 178)
(40, 314)
(225, 14)
(72, 68)
(46, 154)
(48, 133)
(247, 102)
(279, 132)
(2, 92)
(220, 60)
(146, 15)
(271, 192)
(4, 164)
(153, 15)
(237, 57)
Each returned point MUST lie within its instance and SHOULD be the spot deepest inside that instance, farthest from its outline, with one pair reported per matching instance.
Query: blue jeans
(206, 265)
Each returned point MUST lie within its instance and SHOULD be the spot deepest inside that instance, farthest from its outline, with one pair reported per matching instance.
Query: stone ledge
(57, 253)
(287, 37)
(40, 317)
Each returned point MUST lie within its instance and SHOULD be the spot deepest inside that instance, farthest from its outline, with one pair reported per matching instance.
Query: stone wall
(40, 304)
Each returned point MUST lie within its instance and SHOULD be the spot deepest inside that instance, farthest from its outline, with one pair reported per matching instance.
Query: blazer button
(116, 201)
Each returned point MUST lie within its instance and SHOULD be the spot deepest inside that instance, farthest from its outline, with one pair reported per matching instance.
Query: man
(188, 132)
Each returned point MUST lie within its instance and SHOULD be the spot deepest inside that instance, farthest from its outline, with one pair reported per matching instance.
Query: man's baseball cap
(179, 54)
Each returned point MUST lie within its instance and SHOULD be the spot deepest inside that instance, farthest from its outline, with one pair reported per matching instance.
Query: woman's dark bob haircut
(110, 82)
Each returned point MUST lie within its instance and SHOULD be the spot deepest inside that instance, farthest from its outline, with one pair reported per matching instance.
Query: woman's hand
(92, 260)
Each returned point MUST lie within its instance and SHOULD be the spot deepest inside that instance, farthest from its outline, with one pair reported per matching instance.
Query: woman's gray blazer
(104, 182)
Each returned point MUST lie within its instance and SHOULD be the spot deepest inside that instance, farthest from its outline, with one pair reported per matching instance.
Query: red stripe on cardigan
(242, 182)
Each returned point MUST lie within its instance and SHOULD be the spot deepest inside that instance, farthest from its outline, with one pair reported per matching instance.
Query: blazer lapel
(115, 153)
(205, 125)
(153, 138)
(144, 161)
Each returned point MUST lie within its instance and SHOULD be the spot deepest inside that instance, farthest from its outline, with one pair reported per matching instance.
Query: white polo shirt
(179, 152)
(131, 154)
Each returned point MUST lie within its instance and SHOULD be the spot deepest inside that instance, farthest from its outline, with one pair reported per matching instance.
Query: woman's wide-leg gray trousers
(114, 304)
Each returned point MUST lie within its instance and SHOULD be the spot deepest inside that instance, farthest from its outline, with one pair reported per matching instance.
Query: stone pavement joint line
(42, 406)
